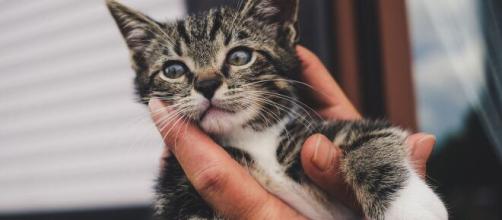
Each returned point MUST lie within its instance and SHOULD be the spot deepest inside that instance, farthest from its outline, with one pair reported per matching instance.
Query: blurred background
(75, 145)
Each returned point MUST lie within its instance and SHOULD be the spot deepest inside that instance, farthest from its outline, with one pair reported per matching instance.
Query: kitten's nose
(208, 87)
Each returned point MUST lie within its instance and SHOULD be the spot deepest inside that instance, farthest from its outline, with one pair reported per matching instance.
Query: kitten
(235, 72)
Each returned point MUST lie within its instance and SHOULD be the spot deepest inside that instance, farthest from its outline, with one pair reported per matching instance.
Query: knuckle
(211, 180)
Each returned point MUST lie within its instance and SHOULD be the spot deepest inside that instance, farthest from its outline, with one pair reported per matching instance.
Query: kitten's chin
(221, 122)
(217, 121)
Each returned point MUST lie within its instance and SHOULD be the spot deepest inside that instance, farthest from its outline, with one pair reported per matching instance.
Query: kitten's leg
(176, 198)
(376, 165)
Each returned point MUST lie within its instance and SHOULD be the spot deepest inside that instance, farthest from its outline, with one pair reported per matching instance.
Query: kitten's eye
(239, 57)
(175, 70)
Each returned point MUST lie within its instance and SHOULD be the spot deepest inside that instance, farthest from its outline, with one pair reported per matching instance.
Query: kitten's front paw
(416, 201)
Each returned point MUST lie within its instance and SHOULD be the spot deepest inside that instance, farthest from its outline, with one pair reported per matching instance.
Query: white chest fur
(262, 147)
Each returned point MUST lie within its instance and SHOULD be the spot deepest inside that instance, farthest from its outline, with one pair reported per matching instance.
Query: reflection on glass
(458, 75)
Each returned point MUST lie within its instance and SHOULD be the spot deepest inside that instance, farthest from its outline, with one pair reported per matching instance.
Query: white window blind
(71, 134)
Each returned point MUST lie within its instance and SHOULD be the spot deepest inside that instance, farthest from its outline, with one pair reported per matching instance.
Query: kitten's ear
(282, 12)
(137, 28)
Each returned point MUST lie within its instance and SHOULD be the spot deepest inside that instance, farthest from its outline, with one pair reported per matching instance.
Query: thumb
(321, 160)
(421, 146)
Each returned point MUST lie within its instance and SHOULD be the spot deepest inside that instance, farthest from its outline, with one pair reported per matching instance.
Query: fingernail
(425, 141)
(323, 154)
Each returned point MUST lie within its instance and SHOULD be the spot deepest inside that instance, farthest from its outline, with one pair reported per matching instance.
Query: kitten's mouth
(214, 111)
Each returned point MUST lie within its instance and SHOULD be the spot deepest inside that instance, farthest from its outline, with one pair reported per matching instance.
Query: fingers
(421, 146)
(329, 93)
(219, 179)
(321, 161)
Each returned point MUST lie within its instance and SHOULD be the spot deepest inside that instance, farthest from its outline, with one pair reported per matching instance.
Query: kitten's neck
(244, 135)
(263, 142)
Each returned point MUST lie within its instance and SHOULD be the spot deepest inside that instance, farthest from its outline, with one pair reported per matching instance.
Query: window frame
(373, 58)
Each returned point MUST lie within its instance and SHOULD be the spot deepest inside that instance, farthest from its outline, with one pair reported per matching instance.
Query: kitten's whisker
(307, 109)
(301, 103)
(168, 119)
(302, 118)
(290, 81)
(262, 115)
(237, 15)
(293, 101)
(254, 97)
(185, 121)
(280, 107)
(181, 117)
(162, 110)
(286, 80)
(170, 116)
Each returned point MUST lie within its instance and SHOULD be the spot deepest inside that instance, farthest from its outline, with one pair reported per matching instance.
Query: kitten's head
(222, 68)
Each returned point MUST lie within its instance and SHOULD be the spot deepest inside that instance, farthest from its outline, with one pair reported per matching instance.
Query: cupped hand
(230, 189)
(320, 157)
(218, 178)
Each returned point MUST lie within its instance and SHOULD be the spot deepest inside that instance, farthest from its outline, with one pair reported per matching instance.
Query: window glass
(457, 48)
(71, 135)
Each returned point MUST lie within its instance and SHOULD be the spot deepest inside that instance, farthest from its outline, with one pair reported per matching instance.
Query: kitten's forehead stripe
(228, 38)
(242, 35)
(177, 48)
(216, 25)
(182, 30)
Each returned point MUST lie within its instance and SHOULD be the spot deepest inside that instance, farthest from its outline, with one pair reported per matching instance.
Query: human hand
(218, 178)
(320, 157)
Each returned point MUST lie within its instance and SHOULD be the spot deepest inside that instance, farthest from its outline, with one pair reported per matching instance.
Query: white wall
(71, 135)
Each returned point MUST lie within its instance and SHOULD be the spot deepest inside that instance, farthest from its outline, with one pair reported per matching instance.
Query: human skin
(233, 192)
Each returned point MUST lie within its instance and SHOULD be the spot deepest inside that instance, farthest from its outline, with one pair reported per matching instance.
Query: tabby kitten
(235, 72)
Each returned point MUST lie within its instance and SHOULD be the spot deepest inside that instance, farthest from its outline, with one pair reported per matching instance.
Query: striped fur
(262, 122)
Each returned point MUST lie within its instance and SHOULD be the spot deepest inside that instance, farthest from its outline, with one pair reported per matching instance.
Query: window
(458, 78)
(433, 66)
(72, 137)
